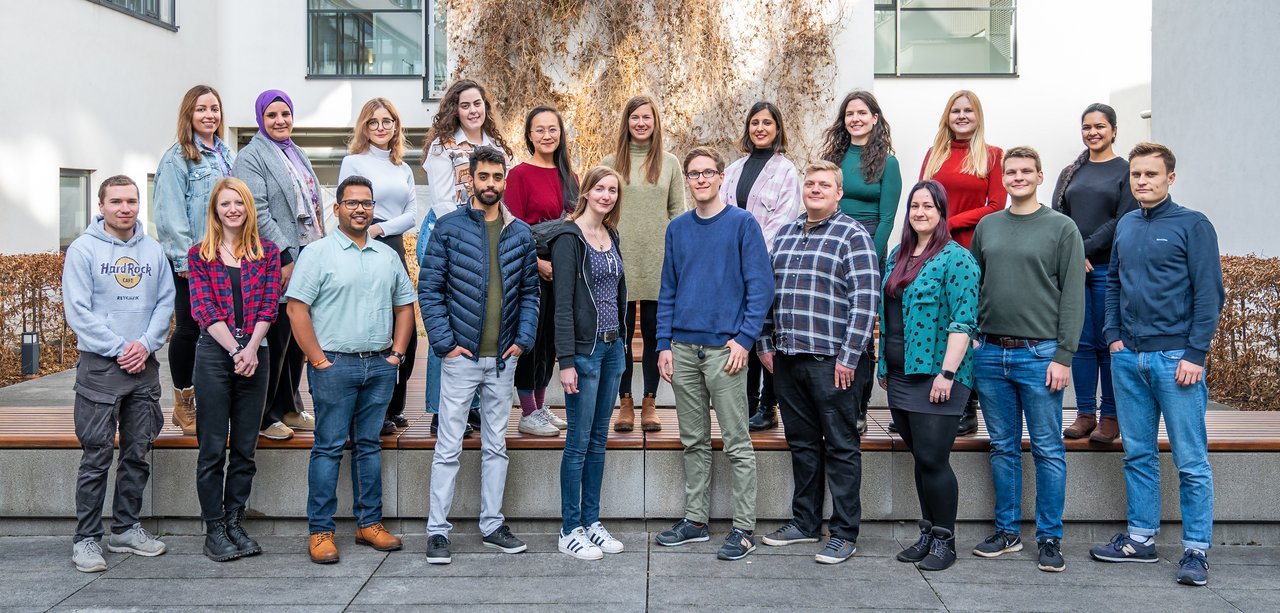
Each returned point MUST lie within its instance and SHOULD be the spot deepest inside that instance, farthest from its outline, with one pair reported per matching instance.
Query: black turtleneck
(750, 172)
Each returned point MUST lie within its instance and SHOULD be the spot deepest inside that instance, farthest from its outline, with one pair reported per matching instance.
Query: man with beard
(351, 309)
(478, 289)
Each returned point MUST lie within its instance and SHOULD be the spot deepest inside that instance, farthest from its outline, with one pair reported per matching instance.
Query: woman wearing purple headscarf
(288, 201)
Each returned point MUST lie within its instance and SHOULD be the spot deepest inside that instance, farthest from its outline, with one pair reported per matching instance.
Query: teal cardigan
(942, 299)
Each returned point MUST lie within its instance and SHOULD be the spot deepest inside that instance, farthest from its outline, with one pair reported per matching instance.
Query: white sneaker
(536, 424)
(87, 556)
(576, 545)
(135, 540)
(602, 539)
(552, 418)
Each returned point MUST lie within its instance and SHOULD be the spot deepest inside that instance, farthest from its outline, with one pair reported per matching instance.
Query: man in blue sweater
(717, 284)
(1164, 295)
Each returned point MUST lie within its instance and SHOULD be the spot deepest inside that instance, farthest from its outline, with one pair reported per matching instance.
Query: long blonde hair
(359, 141)
(185, 126)
(622, 155)
(250, 246)
(589, 181)
(977, 162)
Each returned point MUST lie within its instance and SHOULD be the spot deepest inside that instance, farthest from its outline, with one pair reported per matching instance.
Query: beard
(489, 198)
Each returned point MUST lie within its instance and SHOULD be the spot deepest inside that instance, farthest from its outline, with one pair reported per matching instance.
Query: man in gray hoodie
(118, 297)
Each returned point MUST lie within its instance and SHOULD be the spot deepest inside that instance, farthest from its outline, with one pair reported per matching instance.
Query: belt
(607, 337)
(381, 353)
(1013, 342)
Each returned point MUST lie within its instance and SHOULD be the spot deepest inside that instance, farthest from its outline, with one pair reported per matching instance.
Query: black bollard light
(30, 354)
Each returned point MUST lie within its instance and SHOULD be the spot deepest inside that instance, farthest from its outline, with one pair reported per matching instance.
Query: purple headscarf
(260, 106)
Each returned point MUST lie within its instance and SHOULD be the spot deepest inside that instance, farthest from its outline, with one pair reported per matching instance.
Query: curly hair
(446, 121)
(879, 145)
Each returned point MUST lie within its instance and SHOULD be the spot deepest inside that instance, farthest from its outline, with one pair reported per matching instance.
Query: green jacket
(942, 299)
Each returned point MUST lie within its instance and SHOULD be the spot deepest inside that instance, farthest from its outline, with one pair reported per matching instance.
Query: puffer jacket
(454, 279)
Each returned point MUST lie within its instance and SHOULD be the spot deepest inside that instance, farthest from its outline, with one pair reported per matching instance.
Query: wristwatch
(397, 355)
(233, 352)
(949, 375)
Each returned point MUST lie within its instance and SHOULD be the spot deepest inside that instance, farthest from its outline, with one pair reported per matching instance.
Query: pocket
(1045, 349)
(1174, 355)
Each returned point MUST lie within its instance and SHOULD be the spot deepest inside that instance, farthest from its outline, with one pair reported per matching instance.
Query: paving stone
(528, 564)
(108, 592)
(284, 566)
(41, 590)
(432, 590)
(844, 585)
(1070, 597)
(1249, 601)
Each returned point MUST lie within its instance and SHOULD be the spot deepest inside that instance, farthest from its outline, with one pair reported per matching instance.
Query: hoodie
(115, 292)
(576, 312)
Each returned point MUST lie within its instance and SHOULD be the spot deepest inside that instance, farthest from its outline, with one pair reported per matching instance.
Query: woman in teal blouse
(928, 319)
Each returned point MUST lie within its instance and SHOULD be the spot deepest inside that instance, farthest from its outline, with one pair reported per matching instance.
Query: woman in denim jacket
(184, 182)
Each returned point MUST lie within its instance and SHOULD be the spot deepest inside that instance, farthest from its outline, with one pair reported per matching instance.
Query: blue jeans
(588, 411)
(350, 401)
(1146, 389)
(1011, 384)
(1092, 362)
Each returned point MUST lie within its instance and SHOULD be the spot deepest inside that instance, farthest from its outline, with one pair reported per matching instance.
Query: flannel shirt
(827, 290)
(211, 289)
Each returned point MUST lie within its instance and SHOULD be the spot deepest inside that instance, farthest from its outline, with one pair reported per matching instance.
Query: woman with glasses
(377, 154)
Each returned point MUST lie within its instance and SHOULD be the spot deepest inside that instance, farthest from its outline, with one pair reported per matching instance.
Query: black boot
(241, 539)
(765, 419)
(920, 549)
(435, 426)
(969, 421)
(862, 420)
(942, 553)
(217, 546)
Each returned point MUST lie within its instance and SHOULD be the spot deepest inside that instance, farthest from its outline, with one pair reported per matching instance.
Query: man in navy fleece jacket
(717, 285)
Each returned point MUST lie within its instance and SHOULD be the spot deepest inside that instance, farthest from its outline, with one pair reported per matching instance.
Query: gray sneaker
(87, 556)
(135, 540)
(502, 540)
(788, 535)
(836, 551)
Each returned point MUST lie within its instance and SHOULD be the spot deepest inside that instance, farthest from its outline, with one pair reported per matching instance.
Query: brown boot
(626, 420)
(184, 410)
(322, 548)
(377, 537)
(649, 421)
(1081, 427)
(1108, 430)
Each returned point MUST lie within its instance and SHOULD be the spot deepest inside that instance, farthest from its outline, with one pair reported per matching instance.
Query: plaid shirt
(211, 289)
(827, 282)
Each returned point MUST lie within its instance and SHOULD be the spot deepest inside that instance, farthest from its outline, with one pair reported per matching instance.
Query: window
(73, 205)
(376, 38)
(158, 12)
(945, 38)
(151, 205)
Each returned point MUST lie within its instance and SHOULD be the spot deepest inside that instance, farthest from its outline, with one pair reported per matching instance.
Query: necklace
(600, 240)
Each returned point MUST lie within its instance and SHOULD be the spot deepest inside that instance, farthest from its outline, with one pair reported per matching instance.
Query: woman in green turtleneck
(655, 195)
(858, 140)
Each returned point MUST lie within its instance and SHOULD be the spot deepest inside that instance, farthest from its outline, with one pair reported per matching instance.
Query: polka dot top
(606, 271)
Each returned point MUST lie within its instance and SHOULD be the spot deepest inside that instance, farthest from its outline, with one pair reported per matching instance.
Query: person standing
(118, 296)
(479, 297)
(351, 308)
(1164, 297)
(235, 290)
(716, 289)
(377, 153)
(655, 195)
(1030, 311)
(928, 316)
(184, 183)
(826, 290)
(590, 302)
(287, 196)
(1094, 192)
(969, 169)
(767, 185)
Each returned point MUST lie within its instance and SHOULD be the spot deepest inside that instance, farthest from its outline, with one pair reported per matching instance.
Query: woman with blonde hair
(235, 287)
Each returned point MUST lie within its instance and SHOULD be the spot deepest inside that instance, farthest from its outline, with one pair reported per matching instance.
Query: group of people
(763, 297)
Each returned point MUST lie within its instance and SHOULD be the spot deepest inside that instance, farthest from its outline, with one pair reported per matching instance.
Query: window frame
(427, 42)
(896, 7)
(153, 20)
(86, 176)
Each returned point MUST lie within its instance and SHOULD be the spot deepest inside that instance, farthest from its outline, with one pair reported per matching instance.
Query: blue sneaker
(1193, 569)
(1124, 549)
(684, 531)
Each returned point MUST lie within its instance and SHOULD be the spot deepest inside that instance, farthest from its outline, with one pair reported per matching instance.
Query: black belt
(607, 337)
(1013, 342)
(382, 353)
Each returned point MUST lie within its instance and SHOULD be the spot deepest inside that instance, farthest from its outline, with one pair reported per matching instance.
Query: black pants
(396, 406)
(533, 369)
(930, 437)
(759, 382)
(285, 361)
(182, 345)
(821, 428)
(649, 333)
(226, 403)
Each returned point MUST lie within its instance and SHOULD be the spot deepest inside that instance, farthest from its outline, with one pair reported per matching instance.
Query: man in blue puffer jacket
(478, 289)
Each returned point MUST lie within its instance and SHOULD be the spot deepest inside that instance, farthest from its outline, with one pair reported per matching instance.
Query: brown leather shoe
(1108, 430)
(626, 419)
(649, 421)
(377, 537)
(184, 410)
(1081, 427)
(322, 548)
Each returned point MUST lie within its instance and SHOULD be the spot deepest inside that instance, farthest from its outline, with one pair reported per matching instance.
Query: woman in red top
(969, 169)
(542, 189)
(235, 289)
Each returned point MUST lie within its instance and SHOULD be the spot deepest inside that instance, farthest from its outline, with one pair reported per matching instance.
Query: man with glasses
(717, 284)
(351, 309)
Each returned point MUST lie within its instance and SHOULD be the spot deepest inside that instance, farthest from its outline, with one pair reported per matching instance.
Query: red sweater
(969, 198)
(533, 193)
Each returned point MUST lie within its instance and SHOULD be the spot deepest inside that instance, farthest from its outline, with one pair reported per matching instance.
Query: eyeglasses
(352, 205)
(385, 124)
(544, 131)
(709, 173)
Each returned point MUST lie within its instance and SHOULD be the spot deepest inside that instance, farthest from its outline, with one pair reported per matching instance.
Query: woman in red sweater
(969, 169)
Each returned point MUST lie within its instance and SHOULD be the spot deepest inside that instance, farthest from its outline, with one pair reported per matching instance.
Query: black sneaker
(435, 426)
(473, 417)
(438, 549)
(737, 545)
(836, 551)
(388, 428)
(998, 544)
(502, 540)
(1193, 569)
(399, 420)
(764, 419)
(920, 549)
(942, 551)
(684, 531)
(1051, 556)
(788, 535)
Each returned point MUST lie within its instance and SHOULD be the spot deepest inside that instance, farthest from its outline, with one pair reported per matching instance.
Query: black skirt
(911, 393)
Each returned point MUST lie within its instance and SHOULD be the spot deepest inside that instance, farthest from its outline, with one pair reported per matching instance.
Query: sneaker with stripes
(601, 538)
(577, 545)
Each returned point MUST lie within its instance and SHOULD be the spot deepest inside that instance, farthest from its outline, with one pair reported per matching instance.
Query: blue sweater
(717, 281)
(1164, 288)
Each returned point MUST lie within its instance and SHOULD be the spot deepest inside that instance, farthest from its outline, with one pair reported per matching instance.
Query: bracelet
(397, 355)
(315, 364)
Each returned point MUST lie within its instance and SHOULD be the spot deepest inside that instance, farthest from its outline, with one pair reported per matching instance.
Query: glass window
(945, 37)
(374, 37)
(159, 12)
(151, 205)
(73, 205)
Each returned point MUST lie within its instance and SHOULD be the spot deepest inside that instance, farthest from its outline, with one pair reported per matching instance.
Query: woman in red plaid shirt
(235, 287)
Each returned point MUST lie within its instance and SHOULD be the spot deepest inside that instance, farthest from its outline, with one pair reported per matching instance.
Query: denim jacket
(182, 195)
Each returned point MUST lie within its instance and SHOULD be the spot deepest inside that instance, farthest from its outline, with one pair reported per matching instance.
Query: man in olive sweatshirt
(1030, 311)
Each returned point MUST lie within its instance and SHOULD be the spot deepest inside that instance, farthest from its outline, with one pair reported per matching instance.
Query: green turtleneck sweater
(871, 203)
(642, 225)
